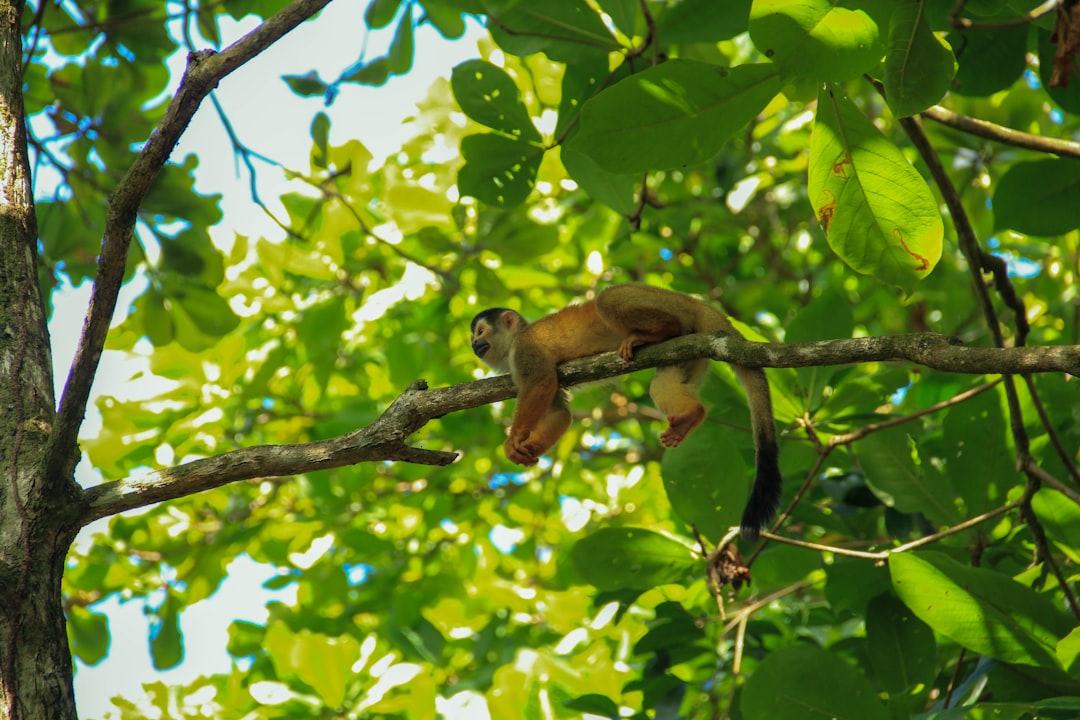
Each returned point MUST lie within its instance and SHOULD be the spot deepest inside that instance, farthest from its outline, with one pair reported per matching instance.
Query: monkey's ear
(512, 321)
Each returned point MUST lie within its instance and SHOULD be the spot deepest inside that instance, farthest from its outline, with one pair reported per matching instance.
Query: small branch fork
(385, 438)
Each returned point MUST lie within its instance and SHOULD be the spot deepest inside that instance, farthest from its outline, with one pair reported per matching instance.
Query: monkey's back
(574, 332)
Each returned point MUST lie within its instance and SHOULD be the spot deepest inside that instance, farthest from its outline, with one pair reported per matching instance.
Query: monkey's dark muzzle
(480, 347)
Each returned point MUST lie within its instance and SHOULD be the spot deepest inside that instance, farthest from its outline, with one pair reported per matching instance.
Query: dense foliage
(765, 155)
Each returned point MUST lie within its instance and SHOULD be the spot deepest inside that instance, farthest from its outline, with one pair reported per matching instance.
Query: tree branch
(385, 438)
(204, 71)
(1002, 134)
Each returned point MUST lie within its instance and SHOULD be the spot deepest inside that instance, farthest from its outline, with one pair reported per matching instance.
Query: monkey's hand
(522, 451)
(626, 347)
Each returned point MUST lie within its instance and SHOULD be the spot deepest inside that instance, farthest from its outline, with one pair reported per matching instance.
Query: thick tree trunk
(36, 512)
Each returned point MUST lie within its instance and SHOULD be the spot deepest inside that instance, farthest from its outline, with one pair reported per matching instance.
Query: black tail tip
(764, 498)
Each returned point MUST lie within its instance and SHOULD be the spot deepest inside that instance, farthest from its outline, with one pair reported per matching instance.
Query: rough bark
(41, 507)
(35, 663)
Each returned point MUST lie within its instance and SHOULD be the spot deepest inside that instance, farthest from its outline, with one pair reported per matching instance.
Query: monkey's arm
(541, 415)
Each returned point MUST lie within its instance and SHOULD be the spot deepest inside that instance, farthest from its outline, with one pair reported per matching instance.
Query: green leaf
(989, 59)
(633, 558)
(1040, 197)
(979, 461)
(580, 81)
(322, 662)
(208, 310)
(815, 39)
(517, 238)
(671, 115)
(375, 73)
(878, 213)
(615, 190)
(902, 483)
(564, 30)
(166, 640)
(901, 646)
(706, 481)
(498, 170)
(488, 95)
(851, 584)
(206, 18)
(380, 13)
(1060, 518)
(805, 682)
(1063, 708)
(307, 85)
(447, 19)
(89, 634)
(982, 610)
(400, 58)
(693, 21)
(320, 136)
(594, 704)
(173, 196)
(157, 322)
(623, 13)
(919, 66)
(827, 316)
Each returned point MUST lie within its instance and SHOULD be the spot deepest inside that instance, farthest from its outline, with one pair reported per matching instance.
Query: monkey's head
(493, 332)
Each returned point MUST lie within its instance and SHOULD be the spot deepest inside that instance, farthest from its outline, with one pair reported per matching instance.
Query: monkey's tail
(765, 495)
(768, 486)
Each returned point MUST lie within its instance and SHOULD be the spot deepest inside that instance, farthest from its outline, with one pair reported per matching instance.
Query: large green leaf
(706, 481)
(703, 21)
(88, 633)
(1060, 517)
(615, 190)
(919, 65)
(1040, 197)
(675, 114)
(564, 30)
(320, 661)
(166, 639)
(805, 682)
(982, 610)
(400, 56)
(888, 457)
(489, 96)
(979, 461)
(633, 558)
(1063, 708)
(816, 39)
(498, 170)
(826, 316)
(900, 645)
(990, 59)
(380, 13)
(878, 213)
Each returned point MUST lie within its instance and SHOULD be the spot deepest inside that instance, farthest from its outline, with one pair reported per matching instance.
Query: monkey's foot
(679, 426)
(522, 453)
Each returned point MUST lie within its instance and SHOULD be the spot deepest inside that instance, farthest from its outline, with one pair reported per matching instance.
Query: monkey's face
(493, 332)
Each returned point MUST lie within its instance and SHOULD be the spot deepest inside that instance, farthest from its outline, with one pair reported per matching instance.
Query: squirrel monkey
(621, 318)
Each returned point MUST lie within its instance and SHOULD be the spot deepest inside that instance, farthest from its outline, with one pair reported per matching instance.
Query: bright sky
(271, 120)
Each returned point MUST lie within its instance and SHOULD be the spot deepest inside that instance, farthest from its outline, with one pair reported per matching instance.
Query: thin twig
(1002, 134)
(1055, 439)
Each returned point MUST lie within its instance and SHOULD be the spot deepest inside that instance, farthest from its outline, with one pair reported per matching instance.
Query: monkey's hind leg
(640, 314)
(675, 392)
(547, 431)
